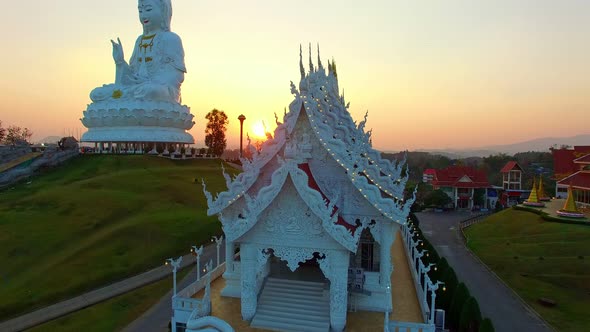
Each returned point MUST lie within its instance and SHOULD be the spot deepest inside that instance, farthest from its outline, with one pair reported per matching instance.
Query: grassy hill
(539, 259)
(96, 220)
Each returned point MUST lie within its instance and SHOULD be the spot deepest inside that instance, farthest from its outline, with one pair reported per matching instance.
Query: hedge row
(462, 310)
(546, 216)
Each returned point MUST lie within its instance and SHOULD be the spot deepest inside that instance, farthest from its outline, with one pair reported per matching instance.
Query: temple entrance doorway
(294, 300)
(307, 271)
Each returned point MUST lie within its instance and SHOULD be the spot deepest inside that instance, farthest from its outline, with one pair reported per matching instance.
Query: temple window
(368, 254)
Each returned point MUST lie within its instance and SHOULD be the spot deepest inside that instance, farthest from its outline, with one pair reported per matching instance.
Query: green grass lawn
(98, 219)
(539, 259)
(114, 314)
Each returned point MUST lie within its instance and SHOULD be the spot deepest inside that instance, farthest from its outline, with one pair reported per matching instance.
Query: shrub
(441, 267)
(444, 294)
(460, 296)
(486, 326)
(470, 316)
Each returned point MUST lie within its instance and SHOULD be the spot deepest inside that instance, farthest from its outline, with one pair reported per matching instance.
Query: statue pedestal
(137, 121)
(137, 134)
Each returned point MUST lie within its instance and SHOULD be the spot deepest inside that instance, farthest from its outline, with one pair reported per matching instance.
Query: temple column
(229, 256)
(335, 268)
(385, 268)
(249, 297)
(385, 265)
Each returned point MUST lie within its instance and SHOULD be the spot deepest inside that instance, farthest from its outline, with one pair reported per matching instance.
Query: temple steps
(292, 305)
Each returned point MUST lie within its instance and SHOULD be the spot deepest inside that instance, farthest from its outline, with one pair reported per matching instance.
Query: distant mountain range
(539, 144)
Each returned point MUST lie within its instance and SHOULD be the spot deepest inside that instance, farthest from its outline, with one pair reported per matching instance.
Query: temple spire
(533, 199)
(301, 69)
(320, 67)
(570, 203)
(310, 61)
(533, 196)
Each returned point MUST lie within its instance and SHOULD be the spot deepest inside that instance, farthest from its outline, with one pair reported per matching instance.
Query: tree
(460, 296)
(2, 132)
(17, 135)
(437, 198)
(215, 132)
(486, 326)
(470, 316)
(444, 295)
(479, 196)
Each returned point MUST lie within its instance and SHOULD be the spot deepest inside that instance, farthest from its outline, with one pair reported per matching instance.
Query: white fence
(396, 326)
(424, 286)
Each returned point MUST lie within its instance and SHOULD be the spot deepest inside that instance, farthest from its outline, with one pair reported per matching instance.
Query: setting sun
(258, 129)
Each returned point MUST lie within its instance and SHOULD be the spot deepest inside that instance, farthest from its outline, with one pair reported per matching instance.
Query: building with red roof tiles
(512, 176)
(460, 182)
(512, 192)
(428, 175)
(563, 160)
(577, 163)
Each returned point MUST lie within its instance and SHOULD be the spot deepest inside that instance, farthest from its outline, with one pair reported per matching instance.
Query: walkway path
(68, 306)
(19, 160)
(498, 302)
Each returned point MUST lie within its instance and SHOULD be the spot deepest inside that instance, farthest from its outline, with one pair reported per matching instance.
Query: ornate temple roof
(318, 101)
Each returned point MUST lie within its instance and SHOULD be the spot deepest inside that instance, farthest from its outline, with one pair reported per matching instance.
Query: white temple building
(310, 222)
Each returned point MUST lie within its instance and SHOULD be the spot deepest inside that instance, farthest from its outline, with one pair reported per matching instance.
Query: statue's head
(155, 12)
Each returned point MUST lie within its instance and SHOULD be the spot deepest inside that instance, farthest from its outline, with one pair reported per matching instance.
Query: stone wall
(49, 158)
(11, 152)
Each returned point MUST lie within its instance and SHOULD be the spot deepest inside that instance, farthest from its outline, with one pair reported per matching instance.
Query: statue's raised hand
(118, 55)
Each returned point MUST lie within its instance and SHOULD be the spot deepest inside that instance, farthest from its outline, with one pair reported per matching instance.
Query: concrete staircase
(293, 305)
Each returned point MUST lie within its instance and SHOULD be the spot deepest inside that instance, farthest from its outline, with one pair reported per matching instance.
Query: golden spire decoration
(533, 196)
(570, 202)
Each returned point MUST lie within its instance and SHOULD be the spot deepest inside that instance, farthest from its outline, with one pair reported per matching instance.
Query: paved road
(156, 319)
(68, 306)
(498, 302)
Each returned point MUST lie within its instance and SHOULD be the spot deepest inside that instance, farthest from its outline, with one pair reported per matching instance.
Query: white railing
(184, 299)
(396, 326)
(420, 273)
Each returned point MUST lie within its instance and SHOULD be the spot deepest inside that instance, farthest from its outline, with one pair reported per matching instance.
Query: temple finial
(301, 69)
(310, 61)
(334, 68)
(320, 67)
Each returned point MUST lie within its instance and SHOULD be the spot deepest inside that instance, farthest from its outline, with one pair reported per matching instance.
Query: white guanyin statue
(143, 104)
(156, 68)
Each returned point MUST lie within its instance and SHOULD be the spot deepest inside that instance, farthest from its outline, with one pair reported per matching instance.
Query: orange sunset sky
(432, 74)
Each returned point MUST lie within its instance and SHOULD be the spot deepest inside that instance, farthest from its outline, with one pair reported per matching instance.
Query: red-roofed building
(572, 168)
(563, 160)
(428, 175)
(512, 192)
(460, 182)
(512, 176)
(579, 179)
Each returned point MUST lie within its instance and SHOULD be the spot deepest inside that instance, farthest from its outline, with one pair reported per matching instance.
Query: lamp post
(423, 271)
(218, 241)
(198, 252)
(418, 258)
(175, 265)
(241, 118)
